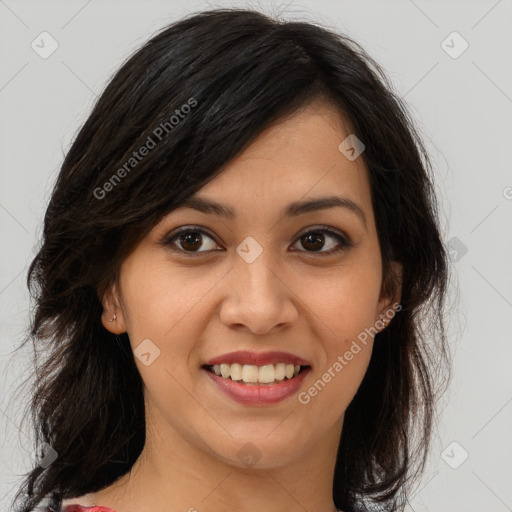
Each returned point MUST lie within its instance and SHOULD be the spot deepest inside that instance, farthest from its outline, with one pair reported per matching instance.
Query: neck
(173, 473)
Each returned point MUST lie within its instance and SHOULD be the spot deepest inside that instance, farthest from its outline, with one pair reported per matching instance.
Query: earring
(113, 318)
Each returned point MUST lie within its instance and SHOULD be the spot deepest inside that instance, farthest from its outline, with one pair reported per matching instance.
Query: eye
(314, 240)
(188, 240)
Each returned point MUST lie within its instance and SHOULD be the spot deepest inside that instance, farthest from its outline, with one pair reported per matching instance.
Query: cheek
(158, 300)
(166, 307)
(344, 306)
(348, 314)
(344, 299)
(161, 306)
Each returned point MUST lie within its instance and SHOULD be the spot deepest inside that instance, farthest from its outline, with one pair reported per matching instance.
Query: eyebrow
(211, 207)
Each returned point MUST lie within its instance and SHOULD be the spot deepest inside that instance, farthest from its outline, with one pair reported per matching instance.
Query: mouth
(254, 375)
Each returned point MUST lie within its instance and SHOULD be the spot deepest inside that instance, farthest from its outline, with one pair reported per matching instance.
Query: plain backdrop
(458, 87)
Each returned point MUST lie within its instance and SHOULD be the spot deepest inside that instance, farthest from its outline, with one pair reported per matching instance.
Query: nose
(259, 299)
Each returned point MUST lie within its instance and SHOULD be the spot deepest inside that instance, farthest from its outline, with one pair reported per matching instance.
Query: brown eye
(315, 241)
(189, 241)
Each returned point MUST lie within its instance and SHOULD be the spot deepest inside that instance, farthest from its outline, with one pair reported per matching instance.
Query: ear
(389, 300)
(112, 317)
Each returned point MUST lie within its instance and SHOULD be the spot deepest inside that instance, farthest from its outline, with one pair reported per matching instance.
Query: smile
(268, 374)
(257, 393)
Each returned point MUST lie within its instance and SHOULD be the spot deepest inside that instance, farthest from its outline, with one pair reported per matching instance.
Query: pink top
(80, 508)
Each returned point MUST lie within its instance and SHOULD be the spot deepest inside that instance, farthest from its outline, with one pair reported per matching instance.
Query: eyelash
(342, 239)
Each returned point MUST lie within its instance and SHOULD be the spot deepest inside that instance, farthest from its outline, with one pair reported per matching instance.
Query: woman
(241, 283)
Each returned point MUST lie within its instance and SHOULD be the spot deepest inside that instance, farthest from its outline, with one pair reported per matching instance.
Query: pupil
(189, 238)
(313, 237)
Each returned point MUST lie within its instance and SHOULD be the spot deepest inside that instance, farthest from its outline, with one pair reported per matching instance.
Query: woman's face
(256, 281)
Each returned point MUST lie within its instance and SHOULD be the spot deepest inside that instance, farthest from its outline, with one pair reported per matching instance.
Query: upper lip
(258, 358)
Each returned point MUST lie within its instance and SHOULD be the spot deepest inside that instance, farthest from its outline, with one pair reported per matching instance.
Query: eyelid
(324, 228)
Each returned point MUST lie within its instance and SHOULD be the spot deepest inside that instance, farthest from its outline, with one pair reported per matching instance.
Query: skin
(298, 301)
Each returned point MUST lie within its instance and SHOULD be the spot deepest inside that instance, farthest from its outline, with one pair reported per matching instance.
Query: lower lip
(248, 394)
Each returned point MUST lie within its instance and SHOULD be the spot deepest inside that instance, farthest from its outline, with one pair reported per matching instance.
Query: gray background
(462, 107)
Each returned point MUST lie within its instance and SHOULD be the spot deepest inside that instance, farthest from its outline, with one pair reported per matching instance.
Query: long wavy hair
(238, 71)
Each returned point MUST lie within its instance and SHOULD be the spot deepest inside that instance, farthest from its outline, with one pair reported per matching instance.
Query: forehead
(296, 158)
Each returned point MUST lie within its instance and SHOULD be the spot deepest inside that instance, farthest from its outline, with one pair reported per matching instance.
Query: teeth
(267, 374)
(280, 371)
(236, 371)
(250, 373)
(224, 370)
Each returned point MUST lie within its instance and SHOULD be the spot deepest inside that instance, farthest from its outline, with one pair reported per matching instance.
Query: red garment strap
(79, 508)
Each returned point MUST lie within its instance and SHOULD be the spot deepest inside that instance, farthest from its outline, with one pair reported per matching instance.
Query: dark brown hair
(238, 71)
